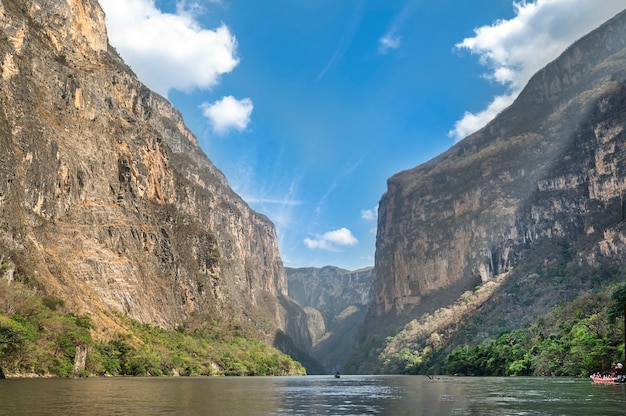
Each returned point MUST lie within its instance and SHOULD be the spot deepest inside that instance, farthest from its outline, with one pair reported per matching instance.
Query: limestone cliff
(106, 199)
(335, 301)
(543, 183)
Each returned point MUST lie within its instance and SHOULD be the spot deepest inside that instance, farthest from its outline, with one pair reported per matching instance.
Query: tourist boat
(607, 379)
(618, 375)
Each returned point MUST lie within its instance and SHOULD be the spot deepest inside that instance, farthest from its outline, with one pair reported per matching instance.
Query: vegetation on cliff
(577, 338)
(574, 338)
(39, 336)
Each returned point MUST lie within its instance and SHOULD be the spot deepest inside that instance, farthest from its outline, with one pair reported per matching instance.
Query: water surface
(312, 395)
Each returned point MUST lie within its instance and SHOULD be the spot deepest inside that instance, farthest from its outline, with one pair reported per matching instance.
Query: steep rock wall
(106, 198)
(550, 167)
(335, 301)
(329, 289)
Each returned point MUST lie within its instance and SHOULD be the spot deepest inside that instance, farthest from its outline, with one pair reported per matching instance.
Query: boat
(597, 378)
(618, 375)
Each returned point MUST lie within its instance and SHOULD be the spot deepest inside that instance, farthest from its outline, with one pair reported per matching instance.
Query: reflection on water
(325, 396)
(312, 395)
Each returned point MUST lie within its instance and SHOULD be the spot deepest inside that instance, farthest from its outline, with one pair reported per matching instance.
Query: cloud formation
(370, 214)
(169, 51)
(228, 114)
(331, 239)
(513, 50)
(344, 42)
(388, 43)
(392, 40)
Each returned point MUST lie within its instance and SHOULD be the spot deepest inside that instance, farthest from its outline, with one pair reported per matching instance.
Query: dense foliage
(577, 338)
(38, 336)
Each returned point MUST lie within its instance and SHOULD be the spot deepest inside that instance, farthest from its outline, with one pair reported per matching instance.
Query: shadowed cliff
(335, 301)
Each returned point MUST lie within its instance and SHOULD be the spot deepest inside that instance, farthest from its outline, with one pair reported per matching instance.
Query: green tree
(15, 334)
(617, 309)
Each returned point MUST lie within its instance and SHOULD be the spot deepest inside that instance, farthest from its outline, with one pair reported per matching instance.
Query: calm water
(312, 395)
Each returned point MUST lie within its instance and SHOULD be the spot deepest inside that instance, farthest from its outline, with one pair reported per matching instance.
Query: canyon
(108, 203)
(335, 301)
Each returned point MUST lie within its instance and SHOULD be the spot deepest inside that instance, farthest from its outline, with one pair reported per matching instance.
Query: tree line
(38, 335)
(577, 338)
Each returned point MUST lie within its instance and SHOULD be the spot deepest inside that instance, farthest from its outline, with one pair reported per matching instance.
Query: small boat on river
(597, 378)
(618, 375)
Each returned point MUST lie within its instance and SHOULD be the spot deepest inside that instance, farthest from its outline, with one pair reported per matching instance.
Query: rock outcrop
(335, 301)
(548, 174)
(107, 200)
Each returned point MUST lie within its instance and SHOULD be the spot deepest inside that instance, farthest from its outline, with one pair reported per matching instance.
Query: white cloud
(272, 201)
(513, 50)
(169, 51)
(392, 40)
(370, 214)
(388, 43)
(228, 114)
(472, 122)
(345, 41)
(346, 170)
(331, 239)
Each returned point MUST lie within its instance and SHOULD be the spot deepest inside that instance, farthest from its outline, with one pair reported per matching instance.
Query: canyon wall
(107, 200)
(547, 174)
(335, 301)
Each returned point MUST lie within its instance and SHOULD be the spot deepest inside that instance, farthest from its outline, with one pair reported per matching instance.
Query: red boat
(618, 375)
(606, 379)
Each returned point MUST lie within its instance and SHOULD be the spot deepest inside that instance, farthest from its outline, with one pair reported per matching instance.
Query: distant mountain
(335, 301)
(530, 210)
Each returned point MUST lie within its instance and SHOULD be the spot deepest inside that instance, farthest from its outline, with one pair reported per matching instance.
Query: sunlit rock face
(106, 198)
(552, 167)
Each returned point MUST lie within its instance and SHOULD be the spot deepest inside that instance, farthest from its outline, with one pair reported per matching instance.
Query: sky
(309, 106)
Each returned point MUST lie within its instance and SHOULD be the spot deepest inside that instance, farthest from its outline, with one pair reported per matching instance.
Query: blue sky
(308, 106)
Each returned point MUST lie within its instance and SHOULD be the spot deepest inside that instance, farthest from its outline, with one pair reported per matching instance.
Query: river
(311, 395)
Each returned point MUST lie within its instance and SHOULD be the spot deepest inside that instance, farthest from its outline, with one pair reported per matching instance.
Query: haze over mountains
(335, 301)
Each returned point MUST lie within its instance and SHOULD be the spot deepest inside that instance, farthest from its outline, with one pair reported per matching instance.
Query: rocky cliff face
(106, 199)
(335, 301)
(548, 171)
